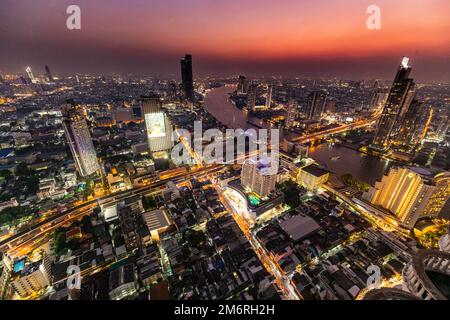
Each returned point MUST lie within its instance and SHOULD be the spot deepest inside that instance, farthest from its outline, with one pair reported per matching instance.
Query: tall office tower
(251, 97)
(187, 78)
(269, 97)
(257, 177)
(30, 74)
(48, 74)
(79, 139)
(291, 113)
(242, 85)
(316, 105)
(1, 79)
(409, 133)
(403, 192)
(440, 198)
(159, 128)
(400, 96)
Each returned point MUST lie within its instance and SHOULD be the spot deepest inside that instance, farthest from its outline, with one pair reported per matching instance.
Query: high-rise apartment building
(257, 176)
(187, 77)
(403, 192)
(397, 104)
(409, 133)
(242, 85)
(159, 128)
(251, 97)
(79, 139)
(32, 277)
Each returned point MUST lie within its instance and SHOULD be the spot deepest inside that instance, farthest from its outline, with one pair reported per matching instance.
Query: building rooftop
(156, 219)
(299, 226)
(315, 170)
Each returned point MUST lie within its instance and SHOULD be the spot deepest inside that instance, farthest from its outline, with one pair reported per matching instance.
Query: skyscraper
(251, 97)
(269, 96)
(79, 139)
(403, 192)
(48, 74)
(187, 77)
(159, 128)
(256, 176)
(30, 74)
(316, 105)
(400, 97)
(242, 85)
(291, 113)
(409, 133)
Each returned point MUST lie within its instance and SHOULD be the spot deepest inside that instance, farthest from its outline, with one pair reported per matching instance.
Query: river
(342, 160)
(218, 104)
(338, 159)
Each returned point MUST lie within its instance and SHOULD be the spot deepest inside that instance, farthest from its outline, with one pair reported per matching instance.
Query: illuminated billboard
(156, 126)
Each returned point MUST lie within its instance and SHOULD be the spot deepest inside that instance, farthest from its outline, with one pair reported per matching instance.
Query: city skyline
(305, 39)
(293, 172)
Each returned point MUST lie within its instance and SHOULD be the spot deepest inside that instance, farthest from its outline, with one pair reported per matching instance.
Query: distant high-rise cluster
(159, 128)
(79, 139)
(187, 77)
(401, 113)
(256, 176)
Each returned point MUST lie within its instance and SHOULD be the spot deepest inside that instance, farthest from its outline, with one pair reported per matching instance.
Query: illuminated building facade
(312, 177)
(397, 104)
(316, 105)
(159, 128)
(441, 196)
(187, 77)
(403, 192)
(256, 176)
(79, 140)
(32, 276)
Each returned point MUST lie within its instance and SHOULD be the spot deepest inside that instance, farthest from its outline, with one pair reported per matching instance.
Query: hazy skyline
(262, 38)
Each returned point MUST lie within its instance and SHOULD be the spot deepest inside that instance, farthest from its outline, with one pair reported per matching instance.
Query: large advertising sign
(155, 125)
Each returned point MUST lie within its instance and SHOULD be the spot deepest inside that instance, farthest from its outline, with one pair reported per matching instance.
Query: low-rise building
(312, 177)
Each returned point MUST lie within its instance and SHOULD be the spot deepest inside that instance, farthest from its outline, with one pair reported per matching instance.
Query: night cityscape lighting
(271, 150)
